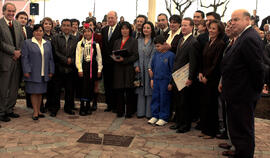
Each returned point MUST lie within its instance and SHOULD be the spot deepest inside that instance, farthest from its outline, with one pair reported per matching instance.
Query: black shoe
(120, 115)
(222, 136)
(13, 115)
(43, 109)
(53, 114)
(182, 129)
(174, 127)
(35, 118)
(4, 118)
(108, 110)
(198, 127)
(128, 116)
(140, 117)
(41, 115)
(70, 112)
(88, 110)
(94, 106)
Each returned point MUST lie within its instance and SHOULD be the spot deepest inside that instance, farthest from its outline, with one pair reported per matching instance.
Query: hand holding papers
(180, 77)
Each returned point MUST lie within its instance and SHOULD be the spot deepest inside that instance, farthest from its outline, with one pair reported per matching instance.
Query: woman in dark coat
(124, 72)
(209, 77)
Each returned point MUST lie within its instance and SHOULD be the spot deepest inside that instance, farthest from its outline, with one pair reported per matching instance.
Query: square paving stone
(90, 138)
(73, 117)
(116, 140)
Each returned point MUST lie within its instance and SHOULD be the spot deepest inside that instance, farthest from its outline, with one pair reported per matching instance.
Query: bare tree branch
(216, 4)
(225, 9)
(182, 6)
(168, 7)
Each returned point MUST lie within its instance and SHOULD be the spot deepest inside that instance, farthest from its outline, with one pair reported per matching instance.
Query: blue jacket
(162, 65)
(31, 60)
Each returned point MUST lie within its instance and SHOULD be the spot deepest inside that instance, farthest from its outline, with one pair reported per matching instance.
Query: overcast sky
(59, 9)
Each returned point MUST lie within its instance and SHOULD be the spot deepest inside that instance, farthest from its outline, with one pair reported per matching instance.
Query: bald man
(110, 33)
(242, 83)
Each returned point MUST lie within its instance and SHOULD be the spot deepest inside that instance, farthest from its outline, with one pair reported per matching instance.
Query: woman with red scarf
(126, 53)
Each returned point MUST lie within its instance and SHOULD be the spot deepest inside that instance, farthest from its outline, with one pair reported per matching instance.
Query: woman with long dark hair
(146, 49)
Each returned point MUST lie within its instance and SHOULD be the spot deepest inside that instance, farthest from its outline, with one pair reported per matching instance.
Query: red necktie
(10, 24)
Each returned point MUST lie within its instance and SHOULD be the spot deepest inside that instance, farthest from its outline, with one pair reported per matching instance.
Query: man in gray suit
(10, 68)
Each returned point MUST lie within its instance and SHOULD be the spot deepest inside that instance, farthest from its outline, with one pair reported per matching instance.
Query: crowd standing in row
(227, 65)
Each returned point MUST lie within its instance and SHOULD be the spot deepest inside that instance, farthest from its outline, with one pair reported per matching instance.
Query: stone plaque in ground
(117, 140)
(90, 138)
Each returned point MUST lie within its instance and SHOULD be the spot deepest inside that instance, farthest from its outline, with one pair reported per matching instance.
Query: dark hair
(142, 16)
(21, 13)
(47, 19)
(191, 23)
(202, 22)
(221, 28)
(214, 14)
(201, 12)
(160, 39)
(93, 21)
(75, 20)
(64, 20)
(37, 26)
(127, 24)
(153, 34)
(163, 15)
(5, 6)
(87, 29)
(175, 18)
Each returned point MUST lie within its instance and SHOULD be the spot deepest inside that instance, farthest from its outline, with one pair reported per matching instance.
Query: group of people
(136, 62)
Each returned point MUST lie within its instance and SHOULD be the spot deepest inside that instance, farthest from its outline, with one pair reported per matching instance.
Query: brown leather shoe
(228, 153)
(224, 146)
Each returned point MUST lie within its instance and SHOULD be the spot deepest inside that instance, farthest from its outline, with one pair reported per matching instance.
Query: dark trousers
(62, 80)
(125, 97)
(9, 87)
(209, 110)
(50, 95)
(195, 101)
(183, 107)
(240, 118)
(108, 86)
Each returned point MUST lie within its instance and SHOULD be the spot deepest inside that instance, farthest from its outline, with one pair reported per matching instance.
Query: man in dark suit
(140, 20)
(109, 34)
(255, 17)
(187, 52)
(197, 18)
(64, 45)
(22, 18)
(242, 83)
(163, 25)
(10, 68)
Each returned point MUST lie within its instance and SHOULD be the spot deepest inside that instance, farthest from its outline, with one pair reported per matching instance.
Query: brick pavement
(57, 138)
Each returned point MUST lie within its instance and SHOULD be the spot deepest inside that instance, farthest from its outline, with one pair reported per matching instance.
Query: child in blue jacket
(162, 67)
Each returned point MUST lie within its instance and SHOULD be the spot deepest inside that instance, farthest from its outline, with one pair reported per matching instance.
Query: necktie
(24, 34)
(110, 34)
(181, 42)
(196, 32)
(10, 24)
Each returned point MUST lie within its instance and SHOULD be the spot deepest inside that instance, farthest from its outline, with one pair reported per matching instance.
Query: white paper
(180, 76)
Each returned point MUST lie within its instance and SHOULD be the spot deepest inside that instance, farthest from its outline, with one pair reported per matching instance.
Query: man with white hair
(242, 83)
(110, 33)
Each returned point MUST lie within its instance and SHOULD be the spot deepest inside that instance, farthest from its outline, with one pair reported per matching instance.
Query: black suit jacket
(187, 53)
(29, 32)
(107, 46)
(242, 70)
(174, 42)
